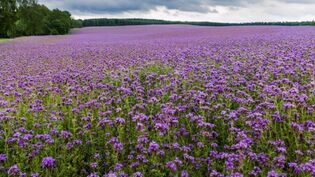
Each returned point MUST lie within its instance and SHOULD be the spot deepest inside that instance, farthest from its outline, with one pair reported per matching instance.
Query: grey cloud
(118, 6)
(245, 10)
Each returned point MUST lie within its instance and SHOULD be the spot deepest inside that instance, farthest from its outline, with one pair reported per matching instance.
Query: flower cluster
(159, 101)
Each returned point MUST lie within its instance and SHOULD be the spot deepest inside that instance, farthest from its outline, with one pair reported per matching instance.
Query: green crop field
(3, 40)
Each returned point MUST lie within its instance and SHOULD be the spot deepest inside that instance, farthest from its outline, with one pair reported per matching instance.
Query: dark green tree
(76, 23)
(8, 17)
(31, 19)
(59, 22)
(27, 17)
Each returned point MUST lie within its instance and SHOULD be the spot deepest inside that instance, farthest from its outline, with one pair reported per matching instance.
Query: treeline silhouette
(138, 21)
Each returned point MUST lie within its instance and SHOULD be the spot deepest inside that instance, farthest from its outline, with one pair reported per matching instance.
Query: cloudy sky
(190, 10)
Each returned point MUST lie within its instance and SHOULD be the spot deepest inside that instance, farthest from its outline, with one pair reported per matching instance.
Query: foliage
(27, 17)
(7, 16)
(135, 21)
(58, 22)
(76, 23)
(32, 20)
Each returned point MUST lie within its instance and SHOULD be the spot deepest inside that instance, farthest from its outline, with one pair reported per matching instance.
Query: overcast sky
(190, 10)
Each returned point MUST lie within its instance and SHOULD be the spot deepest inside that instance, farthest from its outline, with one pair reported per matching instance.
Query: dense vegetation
(159, 101)
(27, 17)
(135, 21)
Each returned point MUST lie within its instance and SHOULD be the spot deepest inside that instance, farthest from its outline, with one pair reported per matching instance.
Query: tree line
(27, 17)
(136, 21)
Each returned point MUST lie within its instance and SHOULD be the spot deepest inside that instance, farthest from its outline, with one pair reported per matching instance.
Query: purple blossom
(153, 146)
(22, 174)
(14, 170)
(35, 175)
(137, 174)
(48, 162)
(120, 120)
(93, 165)
(171, 166)
(3, 157)
(93, 175)
(184, 173)
(111, 174)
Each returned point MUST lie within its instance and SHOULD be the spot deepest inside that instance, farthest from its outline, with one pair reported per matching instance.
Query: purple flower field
(159, 101)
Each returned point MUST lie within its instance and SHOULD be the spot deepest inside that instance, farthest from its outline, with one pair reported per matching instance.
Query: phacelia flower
(48, 162)
(14, 170)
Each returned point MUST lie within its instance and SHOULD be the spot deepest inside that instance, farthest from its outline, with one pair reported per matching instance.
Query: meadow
(3, 40)
(159, 100)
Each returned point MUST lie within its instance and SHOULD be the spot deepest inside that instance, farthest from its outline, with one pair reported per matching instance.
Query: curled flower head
(153, 146)
(93, 175)
(120, 120)
(35, 175)
(137, 174)
(171, 166)
(93, 165)
(14, 170)
(3, 157)
(184, 174)
(48, 162)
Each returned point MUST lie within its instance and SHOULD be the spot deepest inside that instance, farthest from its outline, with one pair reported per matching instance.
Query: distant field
(172, 100)
(3, 40)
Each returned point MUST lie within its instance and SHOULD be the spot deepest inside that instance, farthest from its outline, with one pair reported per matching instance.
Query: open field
(3, 40)
(173, 100)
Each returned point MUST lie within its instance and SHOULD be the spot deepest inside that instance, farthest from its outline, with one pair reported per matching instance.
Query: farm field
(3, 40)
(159, 100)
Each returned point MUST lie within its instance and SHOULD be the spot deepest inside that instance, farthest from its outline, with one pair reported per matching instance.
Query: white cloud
(212, 10)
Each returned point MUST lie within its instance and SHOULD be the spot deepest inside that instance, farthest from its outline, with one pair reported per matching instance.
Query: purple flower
(255, 172)
(153, 146)
(120, 120)
(171, 165)
(35, 175)
(110, 174)
(118, 166)
(93, 175)
(236, 174)
(184, 173)
(48, 162)
(3, 157)
(118, 146)
(309, 167)
(279, 161)
(22, 174)
(14, 170)
(137, 174)
(122, 174)
(272, 174)
(97, 156)
(93, 165)
(65, 134)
